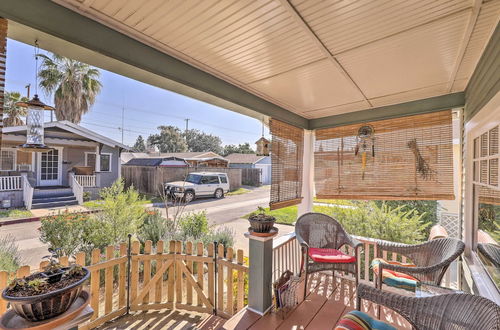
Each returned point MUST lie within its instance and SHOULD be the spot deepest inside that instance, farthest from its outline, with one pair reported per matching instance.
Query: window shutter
(404, 158)
(286, 155)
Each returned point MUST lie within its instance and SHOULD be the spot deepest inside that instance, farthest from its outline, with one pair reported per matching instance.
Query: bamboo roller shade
(392, 172)
(286, 172)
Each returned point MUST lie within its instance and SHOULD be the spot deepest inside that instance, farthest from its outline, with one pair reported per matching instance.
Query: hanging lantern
(34, 125)
(34, 118)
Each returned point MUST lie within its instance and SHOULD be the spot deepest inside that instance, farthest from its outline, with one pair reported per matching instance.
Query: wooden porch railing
(287, 256)
(8, 183)
(86, 180)
(168, 276)
(76, 187)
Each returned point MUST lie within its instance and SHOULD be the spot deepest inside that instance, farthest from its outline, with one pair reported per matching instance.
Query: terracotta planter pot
(47, 305)
(261, 226)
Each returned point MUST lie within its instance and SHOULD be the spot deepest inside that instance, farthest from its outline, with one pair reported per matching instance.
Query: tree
(170, 139)
(140, 144)
(198, 141)
(14, 112)
(74, 85)
(239, 149)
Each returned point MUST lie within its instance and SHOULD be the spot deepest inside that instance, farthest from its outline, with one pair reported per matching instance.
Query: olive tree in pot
(43, 295)
(261, 222)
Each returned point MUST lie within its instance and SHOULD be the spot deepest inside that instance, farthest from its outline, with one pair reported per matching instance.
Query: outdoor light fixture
(34, 118)
(34, 125)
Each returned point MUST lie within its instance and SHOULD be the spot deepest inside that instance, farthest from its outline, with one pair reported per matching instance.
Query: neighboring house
(193, 159)
(252, 161)
(81, 160)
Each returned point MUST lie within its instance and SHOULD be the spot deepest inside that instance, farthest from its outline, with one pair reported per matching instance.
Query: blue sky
(146, 107)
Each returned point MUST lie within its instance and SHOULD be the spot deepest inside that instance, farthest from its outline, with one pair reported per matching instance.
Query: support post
(260, 273)
(307, 174)
(3, 61)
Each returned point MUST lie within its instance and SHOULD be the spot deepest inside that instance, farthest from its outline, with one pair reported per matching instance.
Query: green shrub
(222, 235)
(154, 228)
(10, 259)
(64, 231)
(194, 225)
(121, 212)
(87, 196)
(382, 222)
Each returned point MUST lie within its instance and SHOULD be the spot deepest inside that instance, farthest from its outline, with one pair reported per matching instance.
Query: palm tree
(74, 84)
(13, 111)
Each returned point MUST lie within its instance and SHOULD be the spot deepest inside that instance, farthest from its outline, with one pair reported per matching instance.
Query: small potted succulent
(43, 295)
(260, 222)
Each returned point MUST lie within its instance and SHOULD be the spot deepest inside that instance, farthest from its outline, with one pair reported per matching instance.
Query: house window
(8, 160)
(105, 161)
(90, 159)
(486, 194)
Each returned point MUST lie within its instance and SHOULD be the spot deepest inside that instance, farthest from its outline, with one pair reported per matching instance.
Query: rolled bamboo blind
(286, 174)
(386, 165)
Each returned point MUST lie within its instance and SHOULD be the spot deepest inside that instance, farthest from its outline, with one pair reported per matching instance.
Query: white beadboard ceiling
(315, 57)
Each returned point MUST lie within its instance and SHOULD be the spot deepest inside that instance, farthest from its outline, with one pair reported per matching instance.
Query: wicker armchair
(431, 258)
(319, 231)
(448, 311)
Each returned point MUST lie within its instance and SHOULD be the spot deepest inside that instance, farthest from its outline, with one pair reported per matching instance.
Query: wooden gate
(187, 279)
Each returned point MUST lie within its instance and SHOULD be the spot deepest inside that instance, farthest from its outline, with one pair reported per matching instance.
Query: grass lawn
(15, 214)
(284, 216)
(239, 191)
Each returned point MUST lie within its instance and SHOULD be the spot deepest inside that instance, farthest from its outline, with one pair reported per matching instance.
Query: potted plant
(43, 295)
(261, 222)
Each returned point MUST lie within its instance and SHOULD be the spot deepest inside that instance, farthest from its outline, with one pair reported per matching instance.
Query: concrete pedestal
(260, 273)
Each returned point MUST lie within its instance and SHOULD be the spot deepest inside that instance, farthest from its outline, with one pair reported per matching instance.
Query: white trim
(15, 159)
(110, 161)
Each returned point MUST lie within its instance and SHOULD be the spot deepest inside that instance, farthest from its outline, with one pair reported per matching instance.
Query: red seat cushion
(330, 255)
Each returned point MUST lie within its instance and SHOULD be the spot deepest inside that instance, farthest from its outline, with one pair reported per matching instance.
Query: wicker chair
(448, 311)
(319, 231)
(431, 258)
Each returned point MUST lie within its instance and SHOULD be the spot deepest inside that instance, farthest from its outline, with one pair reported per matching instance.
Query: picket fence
(192, 277)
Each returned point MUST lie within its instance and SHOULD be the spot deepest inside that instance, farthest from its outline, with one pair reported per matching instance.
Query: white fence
(85, 180)
(10, 183)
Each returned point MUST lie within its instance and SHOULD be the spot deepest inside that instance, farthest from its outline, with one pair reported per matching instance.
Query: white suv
(199, 184)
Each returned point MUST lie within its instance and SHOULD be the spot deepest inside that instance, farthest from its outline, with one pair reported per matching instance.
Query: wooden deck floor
(326, 303)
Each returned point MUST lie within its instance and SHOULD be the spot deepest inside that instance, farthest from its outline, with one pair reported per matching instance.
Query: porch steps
(50, 198)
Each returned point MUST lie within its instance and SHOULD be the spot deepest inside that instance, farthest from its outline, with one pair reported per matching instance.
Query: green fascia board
(431, 104)
(51, 18)
(485, 81)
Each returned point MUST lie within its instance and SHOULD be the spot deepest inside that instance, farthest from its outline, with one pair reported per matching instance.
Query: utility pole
(187, 124)
(123, 121)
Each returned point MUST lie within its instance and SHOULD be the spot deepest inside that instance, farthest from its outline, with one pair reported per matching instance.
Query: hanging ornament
(365, 141)
(34, 118)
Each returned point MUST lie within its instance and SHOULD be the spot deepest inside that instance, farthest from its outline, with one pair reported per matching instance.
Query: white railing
(10, 183)
(86, 180)
(27, 192)
(287, 256)
(77, 187)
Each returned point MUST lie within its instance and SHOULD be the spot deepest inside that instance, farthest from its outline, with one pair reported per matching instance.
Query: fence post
(129, 256)
(215, 277)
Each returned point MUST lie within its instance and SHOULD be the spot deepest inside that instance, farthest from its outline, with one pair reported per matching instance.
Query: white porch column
(307, 173)
(97, 159)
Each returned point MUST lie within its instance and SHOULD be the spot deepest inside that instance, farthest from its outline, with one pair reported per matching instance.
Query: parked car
(197, 185)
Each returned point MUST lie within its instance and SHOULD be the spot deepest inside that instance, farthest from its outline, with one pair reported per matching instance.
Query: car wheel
(219, 193)
(188, 196)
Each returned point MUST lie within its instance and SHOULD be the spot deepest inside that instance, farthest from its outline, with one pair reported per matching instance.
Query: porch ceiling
(315, 58)
(310, 63)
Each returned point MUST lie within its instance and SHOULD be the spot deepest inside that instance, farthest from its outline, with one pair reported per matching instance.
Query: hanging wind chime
(34, 118)
(365, 143)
